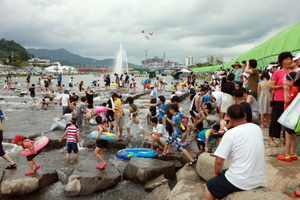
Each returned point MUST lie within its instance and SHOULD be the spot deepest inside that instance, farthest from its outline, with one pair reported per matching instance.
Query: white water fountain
(121, 65)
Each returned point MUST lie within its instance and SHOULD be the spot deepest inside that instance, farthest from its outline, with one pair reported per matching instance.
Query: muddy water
(25, 120)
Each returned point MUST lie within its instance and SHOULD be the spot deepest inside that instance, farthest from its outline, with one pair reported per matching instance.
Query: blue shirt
(59, 78)
(206, 133)
(163, 107)
(177, 119)
(207, 98)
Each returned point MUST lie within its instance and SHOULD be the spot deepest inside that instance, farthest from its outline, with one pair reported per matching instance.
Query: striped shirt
(72, 133)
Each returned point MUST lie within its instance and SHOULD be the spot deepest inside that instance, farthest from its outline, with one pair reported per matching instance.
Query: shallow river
(21, 119)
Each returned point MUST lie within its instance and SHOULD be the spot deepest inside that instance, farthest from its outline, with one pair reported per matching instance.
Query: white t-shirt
(68, 117)
(161, 129)
(64, 99)
(244, 147)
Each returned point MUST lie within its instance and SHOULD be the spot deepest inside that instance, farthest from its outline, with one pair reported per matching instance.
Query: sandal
(159, 149)
(13, 166)
(161, 155)
(191, 163)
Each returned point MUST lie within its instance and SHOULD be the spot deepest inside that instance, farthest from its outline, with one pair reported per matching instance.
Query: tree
(56, 69)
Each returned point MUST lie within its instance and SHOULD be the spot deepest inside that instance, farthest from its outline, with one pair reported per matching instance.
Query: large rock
(211, 119)
(160, 193)
(188, 173)
(15, 183)
(157, 182)
(86, 179)
(205, 166)
(140, 170)
(185, 189)
(256, 194)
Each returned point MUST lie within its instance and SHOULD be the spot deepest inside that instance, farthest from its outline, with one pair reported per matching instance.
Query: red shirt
(292, 95)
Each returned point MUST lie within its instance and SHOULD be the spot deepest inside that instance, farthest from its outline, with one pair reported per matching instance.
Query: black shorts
(110, 118)
(201, 145)
(101, 143)
(59, 83)
(2, 152)
(220, 187)
(192, 96)
(29, 158)
(290, 131)
(194, 113)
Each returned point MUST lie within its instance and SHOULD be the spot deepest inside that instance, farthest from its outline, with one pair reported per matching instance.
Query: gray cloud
(181, 28)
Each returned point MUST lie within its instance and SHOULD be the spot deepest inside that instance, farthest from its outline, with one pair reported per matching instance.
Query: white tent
(57, 68)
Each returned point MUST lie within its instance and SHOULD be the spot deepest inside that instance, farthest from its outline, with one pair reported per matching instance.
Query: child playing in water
(32, 94)
(73, 137)
(44, 105)
(67, 117)
(28, 144)
(100, 144)
(2, 115)
(88, 115)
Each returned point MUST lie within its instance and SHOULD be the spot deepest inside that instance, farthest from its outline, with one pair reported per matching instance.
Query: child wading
(28, 144)
(32, 94)
(73, 137)
(100, 144)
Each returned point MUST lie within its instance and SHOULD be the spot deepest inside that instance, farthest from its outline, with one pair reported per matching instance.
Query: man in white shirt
(159, 134)
(244, 147)
(64, 101)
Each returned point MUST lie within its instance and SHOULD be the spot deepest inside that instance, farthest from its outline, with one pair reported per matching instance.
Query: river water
(27, 121)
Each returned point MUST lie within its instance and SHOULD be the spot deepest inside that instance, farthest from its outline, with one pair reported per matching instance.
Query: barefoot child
(133, 114)
(100, 144)
(73, 138)
(32, 94)
(89, 114)
(28, 144)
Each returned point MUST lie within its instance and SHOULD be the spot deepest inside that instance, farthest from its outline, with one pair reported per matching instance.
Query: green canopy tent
(287, 40)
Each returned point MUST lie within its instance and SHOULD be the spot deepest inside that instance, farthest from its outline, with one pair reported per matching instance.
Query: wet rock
(15, 183)
(185, 189)
(157, 182)
(178, 165)
(160, 193)
(121, 144)
(140, 170)
(256, 194)
(205, 166)
(188, 173)
(86, 179)
(211, 119)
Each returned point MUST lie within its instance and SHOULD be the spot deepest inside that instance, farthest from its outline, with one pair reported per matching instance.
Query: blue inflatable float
(104, 136)
(127, 154)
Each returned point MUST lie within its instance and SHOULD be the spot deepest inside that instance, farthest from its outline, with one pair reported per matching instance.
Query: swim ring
(183, 83)
(104, 136)
(100, 109)
(113, 84)
(40, 143)
(178, 92)
(127, 154)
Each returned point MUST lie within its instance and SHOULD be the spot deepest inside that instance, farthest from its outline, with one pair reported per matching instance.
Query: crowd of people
(247, 99)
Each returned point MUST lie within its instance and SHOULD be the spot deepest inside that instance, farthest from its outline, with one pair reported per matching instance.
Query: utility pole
(12, 56)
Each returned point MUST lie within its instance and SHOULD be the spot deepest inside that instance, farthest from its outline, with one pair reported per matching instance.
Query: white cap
(296, 57)
(271, 66)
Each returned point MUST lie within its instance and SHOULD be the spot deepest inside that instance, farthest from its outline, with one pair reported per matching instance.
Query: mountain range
(67, 58)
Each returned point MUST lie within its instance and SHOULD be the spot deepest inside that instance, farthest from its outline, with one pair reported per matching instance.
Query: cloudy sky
(181, 28)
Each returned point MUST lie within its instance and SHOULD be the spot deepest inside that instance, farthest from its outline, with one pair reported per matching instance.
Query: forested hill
(7, 48)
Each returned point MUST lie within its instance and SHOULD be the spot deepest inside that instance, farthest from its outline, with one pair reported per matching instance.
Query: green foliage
(14, 52)
(200, 65)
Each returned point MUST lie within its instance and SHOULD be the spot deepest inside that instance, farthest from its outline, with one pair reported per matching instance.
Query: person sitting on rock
(177, 134)
(204, 137)
(244, 146)
(159, 134)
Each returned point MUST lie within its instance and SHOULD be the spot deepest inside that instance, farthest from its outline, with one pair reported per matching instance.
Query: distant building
(215, 59)
(189, 61)
(39, 61)
(156, 63)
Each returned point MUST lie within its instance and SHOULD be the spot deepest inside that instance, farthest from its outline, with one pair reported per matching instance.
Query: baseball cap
(296, 57)
(17, 138)
(175, 98)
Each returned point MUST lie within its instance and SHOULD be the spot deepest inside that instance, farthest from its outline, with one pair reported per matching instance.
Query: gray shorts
(119, 119)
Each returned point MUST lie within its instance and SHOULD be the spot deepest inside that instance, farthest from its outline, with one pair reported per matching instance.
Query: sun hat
(296, 57)
(236, 64)
(151, 86)
(17, 138)
(271, 66)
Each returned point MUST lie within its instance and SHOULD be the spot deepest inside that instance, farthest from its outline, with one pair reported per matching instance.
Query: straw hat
(236, 64)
